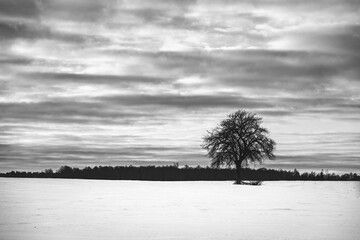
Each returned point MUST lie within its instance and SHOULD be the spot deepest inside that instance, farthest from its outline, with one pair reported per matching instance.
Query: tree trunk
(238, 173)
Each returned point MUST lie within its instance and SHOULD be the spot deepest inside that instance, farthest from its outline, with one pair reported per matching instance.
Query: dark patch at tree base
(253, 183)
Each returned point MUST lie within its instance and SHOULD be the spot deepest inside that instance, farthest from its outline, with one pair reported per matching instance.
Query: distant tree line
(175, 173)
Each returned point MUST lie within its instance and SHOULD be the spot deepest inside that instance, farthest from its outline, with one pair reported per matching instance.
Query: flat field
(102, 209)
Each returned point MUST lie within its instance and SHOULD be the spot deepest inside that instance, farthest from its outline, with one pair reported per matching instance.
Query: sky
(85, 83)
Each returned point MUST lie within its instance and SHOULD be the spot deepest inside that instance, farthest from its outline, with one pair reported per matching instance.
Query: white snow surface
(104, 209)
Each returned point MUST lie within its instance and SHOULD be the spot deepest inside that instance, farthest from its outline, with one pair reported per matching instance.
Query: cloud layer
(134, 82)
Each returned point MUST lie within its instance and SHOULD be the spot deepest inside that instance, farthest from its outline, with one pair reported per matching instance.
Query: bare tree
(239, 140)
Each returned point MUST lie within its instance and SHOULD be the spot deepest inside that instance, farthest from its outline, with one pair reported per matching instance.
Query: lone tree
(239, 140)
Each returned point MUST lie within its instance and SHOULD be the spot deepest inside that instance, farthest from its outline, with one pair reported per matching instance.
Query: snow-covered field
(99, 209)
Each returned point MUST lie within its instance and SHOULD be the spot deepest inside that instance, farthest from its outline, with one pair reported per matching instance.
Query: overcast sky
(90, 82)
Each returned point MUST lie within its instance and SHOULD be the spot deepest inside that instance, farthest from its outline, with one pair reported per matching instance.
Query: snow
(99, 209)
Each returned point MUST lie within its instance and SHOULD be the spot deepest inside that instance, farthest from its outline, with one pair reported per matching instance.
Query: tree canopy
(239, 140)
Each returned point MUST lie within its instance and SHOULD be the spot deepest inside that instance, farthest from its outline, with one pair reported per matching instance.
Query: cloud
(82, 10)
(9, 30)
(124, 109)
(342, 39)
(20, 8)
(13, 30)
(66, 111)
(317, 162)
(161, 73)
(92, 78)
(187, 101)
(318, 76)
(6, 59)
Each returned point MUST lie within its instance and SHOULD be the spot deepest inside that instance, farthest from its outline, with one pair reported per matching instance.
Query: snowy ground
(96, 209)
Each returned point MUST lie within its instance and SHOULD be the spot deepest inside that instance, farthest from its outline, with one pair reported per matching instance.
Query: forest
(176, 173)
